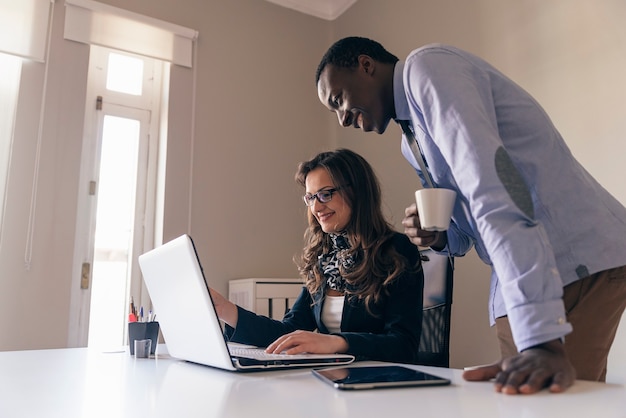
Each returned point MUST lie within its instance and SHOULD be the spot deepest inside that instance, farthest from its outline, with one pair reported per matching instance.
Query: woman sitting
(364, 284)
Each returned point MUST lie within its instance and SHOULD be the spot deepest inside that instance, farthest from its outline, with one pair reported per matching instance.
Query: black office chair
(434, 348)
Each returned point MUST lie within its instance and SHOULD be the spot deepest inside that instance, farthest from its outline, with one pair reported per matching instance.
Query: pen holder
(143, 331)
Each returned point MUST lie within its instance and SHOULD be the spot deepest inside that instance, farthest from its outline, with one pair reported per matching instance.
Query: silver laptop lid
(192, 331)
(181, 299)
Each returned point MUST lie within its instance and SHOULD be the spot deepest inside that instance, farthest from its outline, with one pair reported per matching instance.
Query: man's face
(355, 95)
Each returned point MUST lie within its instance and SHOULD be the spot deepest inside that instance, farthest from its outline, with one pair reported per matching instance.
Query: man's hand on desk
(544, 365)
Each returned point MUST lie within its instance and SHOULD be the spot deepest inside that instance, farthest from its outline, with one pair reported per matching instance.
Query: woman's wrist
(230, 314)
(342, 344)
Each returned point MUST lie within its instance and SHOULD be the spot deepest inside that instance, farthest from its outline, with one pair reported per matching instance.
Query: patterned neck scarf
(338, 256)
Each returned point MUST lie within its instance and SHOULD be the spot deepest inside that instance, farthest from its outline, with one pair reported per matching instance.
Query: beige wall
(257, 115)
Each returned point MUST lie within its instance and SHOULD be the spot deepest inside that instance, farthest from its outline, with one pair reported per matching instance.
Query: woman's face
(333, 216)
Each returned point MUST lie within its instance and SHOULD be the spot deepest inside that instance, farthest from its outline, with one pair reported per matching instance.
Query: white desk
(79, 382)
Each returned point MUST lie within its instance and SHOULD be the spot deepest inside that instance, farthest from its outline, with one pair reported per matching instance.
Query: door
(117, 201)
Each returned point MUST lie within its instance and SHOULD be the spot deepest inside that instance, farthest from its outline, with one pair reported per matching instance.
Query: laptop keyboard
(256, 353)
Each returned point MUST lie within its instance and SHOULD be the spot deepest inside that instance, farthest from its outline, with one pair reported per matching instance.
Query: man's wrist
(553, 346)
(440, 241)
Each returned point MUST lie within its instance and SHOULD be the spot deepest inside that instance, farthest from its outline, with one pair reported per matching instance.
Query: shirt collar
(399, 97)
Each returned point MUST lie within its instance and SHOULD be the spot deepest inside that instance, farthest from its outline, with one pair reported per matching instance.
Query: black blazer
(391, 332)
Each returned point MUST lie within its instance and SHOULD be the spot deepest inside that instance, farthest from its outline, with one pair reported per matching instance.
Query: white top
(332, 312)
(78, 382)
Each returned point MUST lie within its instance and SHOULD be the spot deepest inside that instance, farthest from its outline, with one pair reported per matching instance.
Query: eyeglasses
(323, 196)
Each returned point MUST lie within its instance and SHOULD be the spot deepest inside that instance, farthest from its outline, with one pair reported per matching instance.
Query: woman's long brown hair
(370, 235)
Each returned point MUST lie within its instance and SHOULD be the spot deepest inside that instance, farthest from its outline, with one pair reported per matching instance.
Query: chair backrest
(434, 349)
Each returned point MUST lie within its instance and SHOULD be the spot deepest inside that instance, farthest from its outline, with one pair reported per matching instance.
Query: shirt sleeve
(453, 100)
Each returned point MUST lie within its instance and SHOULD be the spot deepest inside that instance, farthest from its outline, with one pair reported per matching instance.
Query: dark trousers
(594, 306)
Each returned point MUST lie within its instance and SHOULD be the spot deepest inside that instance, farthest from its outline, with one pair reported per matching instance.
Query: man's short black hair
(345, 53)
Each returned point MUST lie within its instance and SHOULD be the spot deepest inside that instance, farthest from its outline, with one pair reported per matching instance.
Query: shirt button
(560, 321)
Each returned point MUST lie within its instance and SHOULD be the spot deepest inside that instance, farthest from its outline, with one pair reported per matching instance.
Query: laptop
(192, 331)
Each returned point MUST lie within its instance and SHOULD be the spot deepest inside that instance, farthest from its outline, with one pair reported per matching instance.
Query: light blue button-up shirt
(532, 212)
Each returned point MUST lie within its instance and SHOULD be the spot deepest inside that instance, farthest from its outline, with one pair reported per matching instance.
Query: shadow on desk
(218, 393)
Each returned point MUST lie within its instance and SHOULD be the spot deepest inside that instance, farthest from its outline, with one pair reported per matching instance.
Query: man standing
(554, 237)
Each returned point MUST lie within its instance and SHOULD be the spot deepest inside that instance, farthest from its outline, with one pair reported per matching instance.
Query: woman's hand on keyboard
(298, 342)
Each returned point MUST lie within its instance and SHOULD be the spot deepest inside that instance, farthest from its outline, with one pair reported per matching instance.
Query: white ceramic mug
(434, 207)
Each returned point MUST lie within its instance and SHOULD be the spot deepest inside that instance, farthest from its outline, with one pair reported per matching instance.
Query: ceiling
(324, 9)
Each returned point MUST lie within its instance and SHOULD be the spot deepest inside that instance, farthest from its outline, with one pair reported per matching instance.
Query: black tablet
(373, 377)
